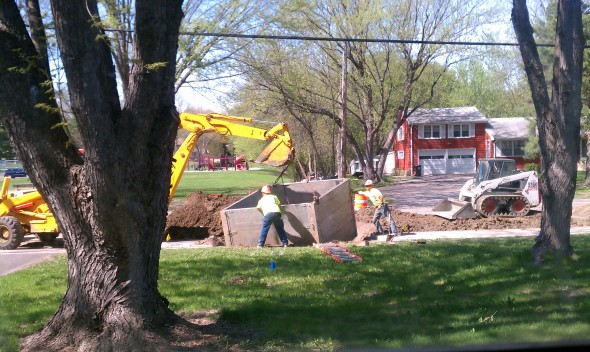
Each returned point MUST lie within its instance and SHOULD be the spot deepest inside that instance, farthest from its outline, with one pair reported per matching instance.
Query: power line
(358, 40)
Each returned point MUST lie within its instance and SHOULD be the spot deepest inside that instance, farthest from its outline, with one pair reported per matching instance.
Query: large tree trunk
(110, 204)
(558, 120)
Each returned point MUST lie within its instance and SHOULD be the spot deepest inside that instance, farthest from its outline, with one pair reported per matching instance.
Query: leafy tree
(110, 204)
(6, 149)
(200, 58)
(495, 84)
(558, 119)
(386, 81)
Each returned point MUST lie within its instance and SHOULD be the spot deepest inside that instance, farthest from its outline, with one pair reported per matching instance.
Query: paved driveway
(421, 194)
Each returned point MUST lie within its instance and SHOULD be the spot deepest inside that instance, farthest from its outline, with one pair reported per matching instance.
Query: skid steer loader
(498, 189)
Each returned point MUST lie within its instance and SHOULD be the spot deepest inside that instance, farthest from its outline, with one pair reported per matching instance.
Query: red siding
(477, 142)
(403, 146)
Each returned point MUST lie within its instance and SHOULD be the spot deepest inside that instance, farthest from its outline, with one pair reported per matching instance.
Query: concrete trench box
(328, 217)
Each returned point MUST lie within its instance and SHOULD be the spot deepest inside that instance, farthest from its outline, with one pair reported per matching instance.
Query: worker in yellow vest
(381, 208)
(270, 207)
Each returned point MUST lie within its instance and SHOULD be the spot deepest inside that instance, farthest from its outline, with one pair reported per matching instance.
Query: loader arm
(278, 152)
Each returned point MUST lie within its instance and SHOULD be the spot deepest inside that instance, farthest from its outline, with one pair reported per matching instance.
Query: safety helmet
(369, 183)
(266, 189)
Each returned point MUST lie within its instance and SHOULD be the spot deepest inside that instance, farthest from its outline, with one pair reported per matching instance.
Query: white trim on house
(431, 131)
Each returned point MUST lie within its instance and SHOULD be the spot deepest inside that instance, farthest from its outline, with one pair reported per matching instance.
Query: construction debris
(338, 253)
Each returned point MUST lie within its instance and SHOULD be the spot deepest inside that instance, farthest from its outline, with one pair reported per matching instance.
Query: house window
(510, 147)
(400, 133)
(463, 130)
(431, 132)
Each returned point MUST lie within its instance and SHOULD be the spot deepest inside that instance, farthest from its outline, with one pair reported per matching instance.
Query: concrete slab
(438, 235)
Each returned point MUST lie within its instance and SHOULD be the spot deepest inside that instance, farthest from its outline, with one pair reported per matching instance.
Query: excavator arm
(278, 152)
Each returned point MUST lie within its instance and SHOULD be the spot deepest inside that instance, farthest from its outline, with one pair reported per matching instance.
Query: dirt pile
(199, 218)
(420, 223)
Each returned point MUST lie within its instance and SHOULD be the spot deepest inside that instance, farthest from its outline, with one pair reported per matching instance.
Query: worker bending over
(270, 207)
(381, 208)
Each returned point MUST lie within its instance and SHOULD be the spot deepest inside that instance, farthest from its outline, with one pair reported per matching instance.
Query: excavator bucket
(454, 209)
(277, 153)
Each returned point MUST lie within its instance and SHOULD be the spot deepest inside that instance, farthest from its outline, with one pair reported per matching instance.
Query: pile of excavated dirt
(199, 218)
(411, 222)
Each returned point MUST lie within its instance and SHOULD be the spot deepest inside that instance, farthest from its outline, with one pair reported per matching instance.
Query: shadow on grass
(442, 293)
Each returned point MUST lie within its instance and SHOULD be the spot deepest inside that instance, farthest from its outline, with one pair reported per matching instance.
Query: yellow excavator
(279, 152)
(24, 211)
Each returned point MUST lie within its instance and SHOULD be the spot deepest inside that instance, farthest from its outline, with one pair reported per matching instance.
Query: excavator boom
(279, 152)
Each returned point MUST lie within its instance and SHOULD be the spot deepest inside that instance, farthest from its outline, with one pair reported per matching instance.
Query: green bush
(532, 167)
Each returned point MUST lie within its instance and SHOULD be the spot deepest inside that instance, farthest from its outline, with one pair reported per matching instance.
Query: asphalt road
(421, 194)
(32, 251)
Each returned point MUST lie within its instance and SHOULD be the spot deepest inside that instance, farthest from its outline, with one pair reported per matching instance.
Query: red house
(451, 140)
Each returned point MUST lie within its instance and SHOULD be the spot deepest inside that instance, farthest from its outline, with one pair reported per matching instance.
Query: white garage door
(433, 162)
(447, 161)
(461, 161)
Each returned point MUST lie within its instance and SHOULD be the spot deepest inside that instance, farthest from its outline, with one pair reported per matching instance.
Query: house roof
(508, 128)
(446, 115)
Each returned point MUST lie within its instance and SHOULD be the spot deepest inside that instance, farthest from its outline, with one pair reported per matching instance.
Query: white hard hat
(369, 183)
(266, 189)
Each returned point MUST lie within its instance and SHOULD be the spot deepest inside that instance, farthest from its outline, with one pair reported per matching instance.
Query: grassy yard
(581, 192)
(227, 182)
(442, 293)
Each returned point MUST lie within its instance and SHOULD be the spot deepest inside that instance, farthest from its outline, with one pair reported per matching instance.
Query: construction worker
(270, 207)
(381, 208)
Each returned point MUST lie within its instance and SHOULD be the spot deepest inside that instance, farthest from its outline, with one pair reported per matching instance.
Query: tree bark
(558, 120)
(110, 204)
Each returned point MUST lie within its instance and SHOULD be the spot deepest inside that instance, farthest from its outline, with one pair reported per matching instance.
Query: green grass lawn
(442, 293)
(227, 182)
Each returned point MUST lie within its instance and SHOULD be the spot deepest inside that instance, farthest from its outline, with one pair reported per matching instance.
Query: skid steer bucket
(454, 209)
(277, 153)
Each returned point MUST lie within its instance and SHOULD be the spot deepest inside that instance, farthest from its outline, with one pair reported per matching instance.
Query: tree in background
(110, 203)
(6, 149)
(200, 58)
(493, 82)
(386, 81)
(558, 119)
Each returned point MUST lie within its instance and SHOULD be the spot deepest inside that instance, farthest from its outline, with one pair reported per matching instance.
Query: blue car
(15, 172)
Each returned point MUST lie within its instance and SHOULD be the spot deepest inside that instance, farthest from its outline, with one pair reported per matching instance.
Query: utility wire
(352, 40)
(358, 40)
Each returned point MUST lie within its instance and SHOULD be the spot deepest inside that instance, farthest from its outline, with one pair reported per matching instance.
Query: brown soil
(407, 222)
(199, 218)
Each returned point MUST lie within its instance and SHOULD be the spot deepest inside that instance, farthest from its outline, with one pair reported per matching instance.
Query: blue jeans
(383, 211)
(269, 219)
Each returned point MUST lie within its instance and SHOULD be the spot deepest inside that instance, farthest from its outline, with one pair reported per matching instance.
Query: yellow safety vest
(375, 196)
(269, 203)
